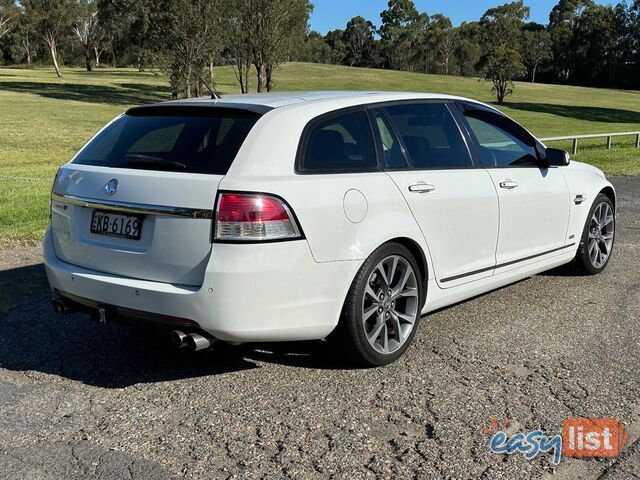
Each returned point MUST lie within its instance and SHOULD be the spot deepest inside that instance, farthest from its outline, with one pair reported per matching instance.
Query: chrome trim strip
(138, 208)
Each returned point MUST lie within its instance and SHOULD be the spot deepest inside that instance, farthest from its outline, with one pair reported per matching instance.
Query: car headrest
(327, 148)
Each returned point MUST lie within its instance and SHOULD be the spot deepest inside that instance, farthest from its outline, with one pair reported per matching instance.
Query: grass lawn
(44, 120)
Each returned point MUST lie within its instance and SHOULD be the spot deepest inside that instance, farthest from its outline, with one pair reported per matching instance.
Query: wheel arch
(420, 257)
(610, 192)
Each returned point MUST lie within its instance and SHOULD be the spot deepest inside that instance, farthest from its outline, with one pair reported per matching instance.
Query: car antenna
(214, 94)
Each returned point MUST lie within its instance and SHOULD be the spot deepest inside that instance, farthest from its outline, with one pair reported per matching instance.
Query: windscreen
(196, 140)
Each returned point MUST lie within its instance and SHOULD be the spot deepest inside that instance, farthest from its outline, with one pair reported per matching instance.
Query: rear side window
(431, 136)
(198, 140)
(339, 143)
(391, 150)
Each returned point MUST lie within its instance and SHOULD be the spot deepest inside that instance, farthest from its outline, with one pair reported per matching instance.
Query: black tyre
(382, 309)
(598, 236)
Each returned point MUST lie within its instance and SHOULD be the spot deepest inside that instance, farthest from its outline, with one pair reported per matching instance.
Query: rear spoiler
(199, 109)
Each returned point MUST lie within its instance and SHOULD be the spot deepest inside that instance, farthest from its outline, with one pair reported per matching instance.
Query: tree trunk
(260, 74)
(187, 78)
(211, 69)
(97, 54)
(247, 69)
(269, 72)
(500, 87)
(54, 55)
(87, 59)
(114, 62)
(240, 67)
(533, 74)
(27, 47)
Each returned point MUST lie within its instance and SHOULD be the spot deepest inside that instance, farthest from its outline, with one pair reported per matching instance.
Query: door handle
(509, 184)
(422, 188)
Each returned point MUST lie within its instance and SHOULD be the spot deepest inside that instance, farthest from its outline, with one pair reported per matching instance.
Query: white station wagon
(305, 216)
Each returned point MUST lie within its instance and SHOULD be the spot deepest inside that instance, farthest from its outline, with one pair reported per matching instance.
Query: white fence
(608, 136)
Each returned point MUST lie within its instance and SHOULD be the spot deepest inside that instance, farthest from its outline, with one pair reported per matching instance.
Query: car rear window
(196, 140)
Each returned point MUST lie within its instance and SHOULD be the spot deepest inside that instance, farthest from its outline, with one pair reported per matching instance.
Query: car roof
(262, 102)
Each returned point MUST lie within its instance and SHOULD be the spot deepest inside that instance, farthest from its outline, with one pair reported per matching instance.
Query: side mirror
(557, 157)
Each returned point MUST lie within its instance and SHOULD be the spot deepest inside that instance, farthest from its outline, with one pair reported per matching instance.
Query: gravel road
(81, 400)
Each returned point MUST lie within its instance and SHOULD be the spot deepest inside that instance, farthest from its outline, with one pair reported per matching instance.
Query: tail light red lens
(254, 217)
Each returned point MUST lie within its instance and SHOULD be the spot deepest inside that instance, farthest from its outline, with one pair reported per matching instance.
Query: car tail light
(251, 217)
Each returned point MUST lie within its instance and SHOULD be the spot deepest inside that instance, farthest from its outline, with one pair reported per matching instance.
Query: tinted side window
(501, 142)
(431, 135)
(391, 150)
(341, 143)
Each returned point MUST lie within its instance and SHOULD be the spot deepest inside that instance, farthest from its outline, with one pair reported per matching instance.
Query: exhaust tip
(198, 342)
(60, 306)
(179, 339)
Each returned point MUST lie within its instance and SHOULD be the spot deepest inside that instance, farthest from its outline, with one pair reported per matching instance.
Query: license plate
(116, 225)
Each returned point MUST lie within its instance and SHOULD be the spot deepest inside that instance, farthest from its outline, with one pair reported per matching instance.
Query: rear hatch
(137, 201)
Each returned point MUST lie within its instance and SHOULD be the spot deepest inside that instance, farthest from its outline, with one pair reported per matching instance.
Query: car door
(454, 203)
(533, 198)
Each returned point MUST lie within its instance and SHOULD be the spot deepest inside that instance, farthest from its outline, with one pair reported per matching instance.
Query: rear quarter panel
(326, 205)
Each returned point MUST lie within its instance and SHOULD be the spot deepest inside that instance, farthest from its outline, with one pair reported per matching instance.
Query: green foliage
(358, 41)
(585, 43)
(9, 16)
(501, 65)
(401, 32)
(536, 49)
(502, 62)
(503, 25)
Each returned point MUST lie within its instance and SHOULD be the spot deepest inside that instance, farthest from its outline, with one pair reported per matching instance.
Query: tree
(440, 43)
(502, 62)
(316, 49)
(633, 39)
(189, 38)
(276, 27)
(595, 45)
(468, 49)
(51, 19)
(562, 22)
(448, 47)
(9, 15)
(26, 35)
(536, 49)
(503, 24)
(85, 28)
(501, 65)
(401, 30)
(239, 41)
(358, 40)
(337, 48)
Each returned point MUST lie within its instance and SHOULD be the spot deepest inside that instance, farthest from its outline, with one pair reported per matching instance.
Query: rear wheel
(598, 237)
(382, 310)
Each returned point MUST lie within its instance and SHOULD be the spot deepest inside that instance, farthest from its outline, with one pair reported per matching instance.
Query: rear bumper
(250, 293)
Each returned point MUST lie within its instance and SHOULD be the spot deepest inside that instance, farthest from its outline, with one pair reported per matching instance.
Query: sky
(331, 14)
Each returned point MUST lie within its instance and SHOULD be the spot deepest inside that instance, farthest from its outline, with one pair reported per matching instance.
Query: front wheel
(596, 244)
(382, 310)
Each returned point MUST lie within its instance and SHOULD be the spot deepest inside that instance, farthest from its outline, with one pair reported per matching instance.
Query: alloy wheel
(601, 234)
(390, 304)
